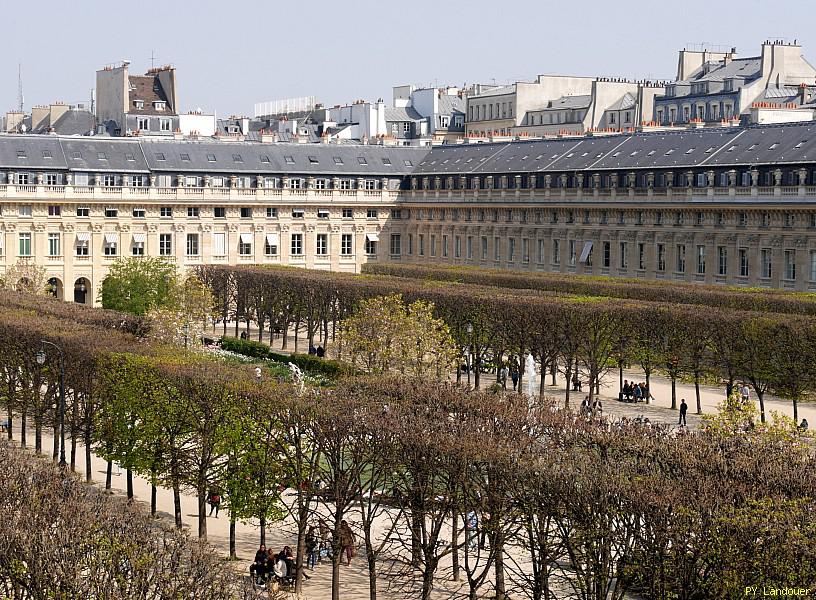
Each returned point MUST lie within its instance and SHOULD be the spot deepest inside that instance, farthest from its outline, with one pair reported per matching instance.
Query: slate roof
(129, 155)
(147, 88)
(451, 104)
(402, 114)
(75, 122)
(793, 143)
(500, 91)
(567, 103)
(744, 68)
(626, 102)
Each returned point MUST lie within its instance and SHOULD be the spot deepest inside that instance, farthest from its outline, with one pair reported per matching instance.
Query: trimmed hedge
(307, 362)
(730, 297)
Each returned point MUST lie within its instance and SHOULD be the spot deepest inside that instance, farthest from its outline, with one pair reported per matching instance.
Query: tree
(26, 276)
(137, 285)
(183, 319)
(386, 335)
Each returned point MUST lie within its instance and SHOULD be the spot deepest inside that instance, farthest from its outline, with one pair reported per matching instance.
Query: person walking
(324, 540)
(346, 540)
(215, 503)
(471, 530)
(311, 548)
(514, 375)
(683, 411)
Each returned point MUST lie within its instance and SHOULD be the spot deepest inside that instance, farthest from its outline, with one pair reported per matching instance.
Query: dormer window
(138, 104)
(671, 91)
(159, 104)
(728, 85)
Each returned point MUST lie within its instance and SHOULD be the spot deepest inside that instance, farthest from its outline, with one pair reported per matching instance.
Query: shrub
(307, 362)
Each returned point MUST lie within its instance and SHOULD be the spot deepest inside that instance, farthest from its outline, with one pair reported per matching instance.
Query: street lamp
(469, 329)
(41, 356)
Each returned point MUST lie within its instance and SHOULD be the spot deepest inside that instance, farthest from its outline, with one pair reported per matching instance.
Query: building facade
(732, 206)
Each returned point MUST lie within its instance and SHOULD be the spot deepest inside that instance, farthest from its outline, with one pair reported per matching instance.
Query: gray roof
(626, 102)
(500, 91)
(568, 102)
(744, 68)
(132, 155)
(75, 122)
(402, 114)
(793, 143)
(451, 104)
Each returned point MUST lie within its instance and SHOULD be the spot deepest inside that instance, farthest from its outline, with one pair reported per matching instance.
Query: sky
(230, 55)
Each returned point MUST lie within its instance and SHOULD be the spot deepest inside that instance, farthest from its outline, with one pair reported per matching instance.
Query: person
(243, 335)
(471, 530)
(803, 426)
(320, 352)
(745, 392)
(312, 350)
(346, 540)
(598, 406)
(215, 503)
(514, 375)
(258, 568)
(286, 556)
(576, 383)
(585, 405)
(311, 548)
(625, 390)
(636, 392)
(324, 539)
(503, 372)
(683, 411)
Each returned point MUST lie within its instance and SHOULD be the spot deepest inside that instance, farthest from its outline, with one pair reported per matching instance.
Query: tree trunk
(455, 544)
(88, 467)
(23, 443)
(501, 592)
(554, 372)
(697, 392)
(109, 475)
(620, 379)
(761, 398)
(795, 410)
(10, 417)
(674, 392)
(153, 500)
(263, 531)
(37, 433)
(56, 450)
(416, 534)
(129, 476)
(372, 573)
(202, 510)
(233, 554)
(569, 382)
(177, 503)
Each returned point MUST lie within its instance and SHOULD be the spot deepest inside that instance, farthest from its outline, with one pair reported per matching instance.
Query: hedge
(307, 362)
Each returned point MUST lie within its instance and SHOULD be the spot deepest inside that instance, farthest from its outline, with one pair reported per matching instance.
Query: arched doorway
(25, 285)
(55, 288)
(82, 289)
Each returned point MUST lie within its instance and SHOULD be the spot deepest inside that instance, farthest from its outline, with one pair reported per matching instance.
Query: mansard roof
(793, 143)
(132, 155)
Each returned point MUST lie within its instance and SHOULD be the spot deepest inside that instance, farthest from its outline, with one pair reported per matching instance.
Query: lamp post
(469, 329)
(41, 361)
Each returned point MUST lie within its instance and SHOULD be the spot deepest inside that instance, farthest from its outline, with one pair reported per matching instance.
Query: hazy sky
(231, 54)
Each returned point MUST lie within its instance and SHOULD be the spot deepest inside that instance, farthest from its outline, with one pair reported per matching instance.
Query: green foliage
(307, 362)
(137, 285)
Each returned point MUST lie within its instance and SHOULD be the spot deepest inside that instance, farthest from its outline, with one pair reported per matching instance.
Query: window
(659, 217)
(166, 211)
(371, 213)
(184, 157)
(192, 212)
(813, 265)
(743, 262)
(698, 218)
(54, 244)
(571, 255)
(51, 179)
(244, 244)
(790, 264)
(623, 257)
(320, 184)
(641, 256)
(164, 124)
(101, 156)
(109, 180)
(701, 257)
(722, 260)
(445, 246)
(313, 160)
(766, 220)
(348, 213)
(661, 257)
(345, 184)
(361, 160)
(264, 158)
(219, 244)
(607, 254)
(322, 213)
(111, 244)
(556, 251)
(540, 254)
(469, 247)
(396, 244)
(370, 184)
(345, 244)
(433, 245)
(766, 255)
(24, 210)
(511, 249)
(246, 212)
(289, 160)
(137, 248)
(680, 267)
(22, 178)
(211, 158)
(296, 244)
(370, 246)
(271, 212)
(496, 248)
(192, 244)
(386, 161)
(83, 211)
(237, 158)
(322, 244)
(337, 160)
(111, 213)
(271, 244)
(139, 213)
(788, 219)
(54, 210)
(219, 212)
(82, 243)
(143, 123)
(165, 244)
(25, 244)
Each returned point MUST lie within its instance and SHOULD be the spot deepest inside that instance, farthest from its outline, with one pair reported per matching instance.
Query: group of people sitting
(268, 565)
(588, 409)
(635, 392)
(319, 352)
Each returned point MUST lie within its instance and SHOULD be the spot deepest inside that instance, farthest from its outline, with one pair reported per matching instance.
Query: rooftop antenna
(152, 59)
(19, 87)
